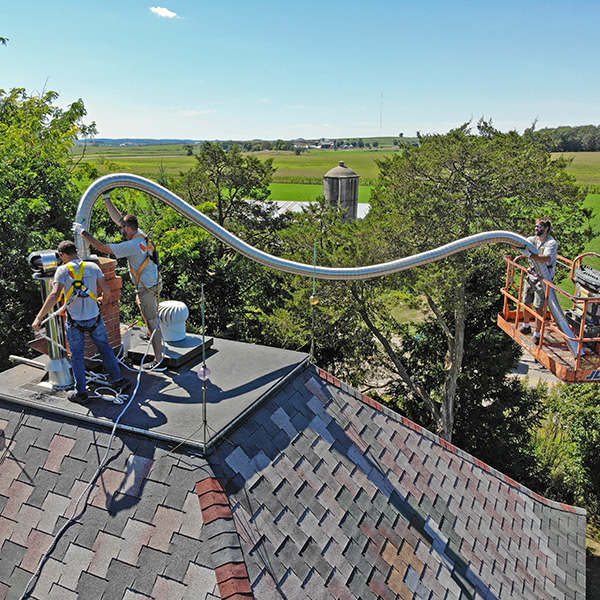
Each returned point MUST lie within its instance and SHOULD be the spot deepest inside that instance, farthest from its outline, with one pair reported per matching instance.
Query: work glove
(78, 228)
(525, 252)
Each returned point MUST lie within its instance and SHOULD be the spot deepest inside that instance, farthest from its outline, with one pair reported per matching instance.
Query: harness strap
(77, 285)
(138, 274)
(89, 329)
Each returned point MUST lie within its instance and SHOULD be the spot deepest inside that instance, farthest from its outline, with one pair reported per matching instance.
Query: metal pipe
(28, 362)
(109, 182)
(541, 269)
(59, 369)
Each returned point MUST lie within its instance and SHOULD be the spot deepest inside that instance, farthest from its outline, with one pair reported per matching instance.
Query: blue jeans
(99, 336)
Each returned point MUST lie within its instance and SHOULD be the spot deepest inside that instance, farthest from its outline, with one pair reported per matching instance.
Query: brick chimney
(109, 310)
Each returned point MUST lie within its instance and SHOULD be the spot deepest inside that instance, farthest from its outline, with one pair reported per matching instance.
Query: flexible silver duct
(109, 182)
(116, 180)
(559, 316)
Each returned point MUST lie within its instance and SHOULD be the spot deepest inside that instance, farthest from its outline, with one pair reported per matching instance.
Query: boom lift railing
(574, 335)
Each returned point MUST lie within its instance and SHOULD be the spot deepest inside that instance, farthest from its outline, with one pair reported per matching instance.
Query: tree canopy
(237, 185)
(582, 138)
(569, 445)
(37, 198)
(449, 187)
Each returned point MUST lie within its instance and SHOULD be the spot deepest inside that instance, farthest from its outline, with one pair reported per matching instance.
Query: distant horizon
(166, 140)
(201, 141)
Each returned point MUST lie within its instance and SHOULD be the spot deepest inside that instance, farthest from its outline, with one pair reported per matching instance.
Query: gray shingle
(11, 555)
(91, 587)
(121, 576)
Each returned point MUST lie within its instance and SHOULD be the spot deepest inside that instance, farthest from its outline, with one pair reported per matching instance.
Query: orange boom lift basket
(582, 311)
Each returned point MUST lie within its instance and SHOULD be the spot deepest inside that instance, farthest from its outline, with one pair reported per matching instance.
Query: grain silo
(340, 187)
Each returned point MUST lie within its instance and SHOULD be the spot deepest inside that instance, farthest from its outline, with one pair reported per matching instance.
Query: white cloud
(194, 113)
(163, 12)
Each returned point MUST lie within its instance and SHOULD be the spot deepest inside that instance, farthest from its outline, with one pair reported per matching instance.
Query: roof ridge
(230, 567)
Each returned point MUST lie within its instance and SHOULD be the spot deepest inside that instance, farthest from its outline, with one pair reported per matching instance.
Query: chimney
(109, 310)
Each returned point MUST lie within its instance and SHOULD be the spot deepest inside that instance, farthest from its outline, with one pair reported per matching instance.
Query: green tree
(570, 445)
(38, 199)
(236, 184)
(446, 188)
(495, 416)
(237, 290)
(282, 145)
(233, 190)
(342, 343)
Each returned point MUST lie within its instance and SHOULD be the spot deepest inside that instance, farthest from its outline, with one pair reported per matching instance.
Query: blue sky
(230, 69)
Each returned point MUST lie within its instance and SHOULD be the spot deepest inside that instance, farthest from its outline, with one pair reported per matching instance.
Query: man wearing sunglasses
(533, 289)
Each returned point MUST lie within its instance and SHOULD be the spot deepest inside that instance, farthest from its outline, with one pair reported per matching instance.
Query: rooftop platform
(241, 377)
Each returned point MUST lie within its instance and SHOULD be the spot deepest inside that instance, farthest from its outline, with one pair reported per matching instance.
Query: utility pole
(381, 115)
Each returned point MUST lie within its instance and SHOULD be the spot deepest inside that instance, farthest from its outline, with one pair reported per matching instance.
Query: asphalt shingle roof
(320, 493)
(353, 500)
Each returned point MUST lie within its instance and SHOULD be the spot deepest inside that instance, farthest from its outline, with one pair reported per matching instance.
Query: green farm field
(294, 192)
(585, 167)
(297, 178)
(148, 160)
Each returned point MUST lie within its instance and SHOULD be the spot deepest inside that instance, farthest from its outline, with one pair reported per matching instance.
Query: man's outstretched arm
(113, 211)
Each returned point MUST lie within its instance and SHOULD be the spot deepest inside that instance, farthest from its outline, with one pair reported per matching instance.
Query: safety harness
(151, 255)
(80, 290)
(78, 287)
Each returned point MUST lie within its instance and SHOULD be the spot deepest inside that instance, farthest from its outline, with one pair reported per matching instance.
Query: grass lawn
(585, 167)
(293, 192)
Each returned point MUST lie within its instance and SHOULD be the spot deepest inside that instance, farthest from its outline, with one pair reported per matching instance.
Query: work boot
(122, 385)
(78, 398)
(152, 365)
